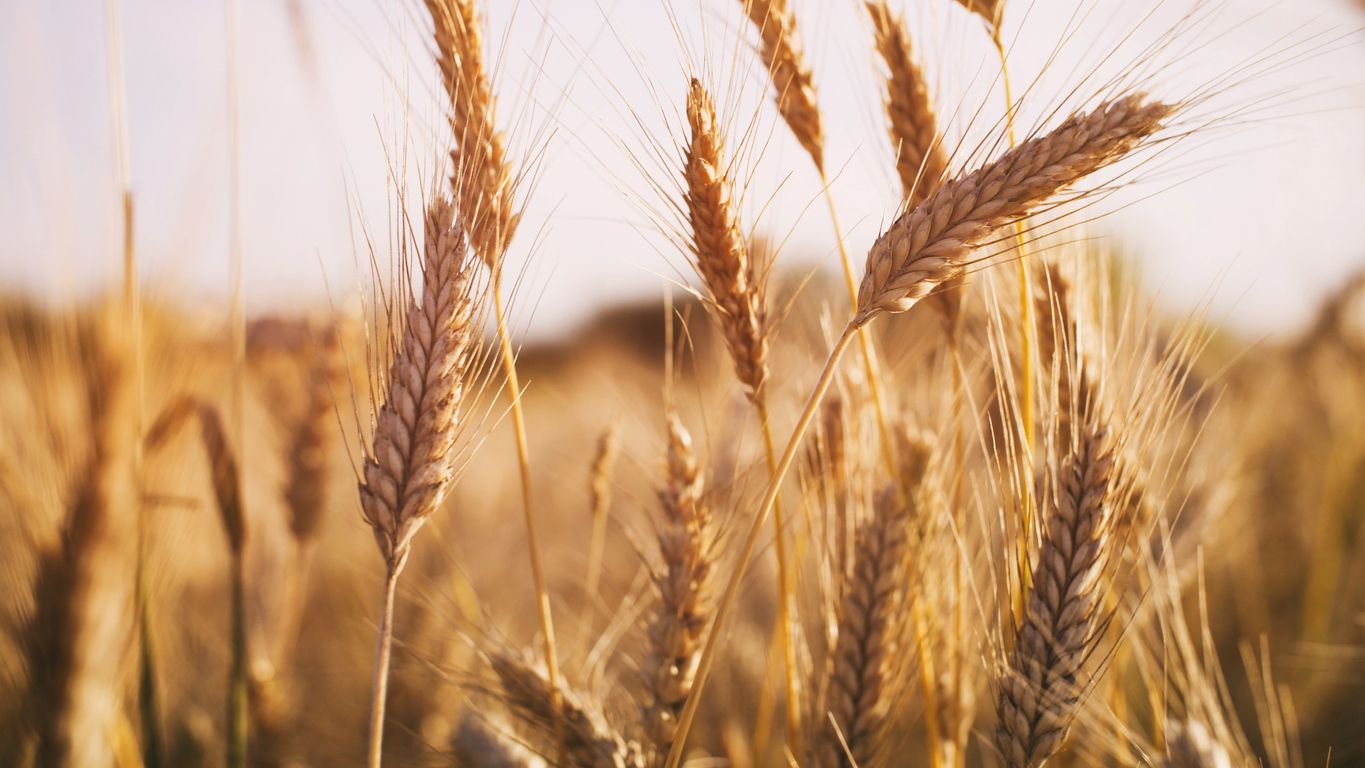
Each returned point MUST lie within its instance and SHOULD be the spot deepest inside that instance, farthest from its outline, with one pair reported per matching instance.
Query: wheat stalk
(736, 289)
(410, 464)
(687, 544)
(484, 184)
(928, 245)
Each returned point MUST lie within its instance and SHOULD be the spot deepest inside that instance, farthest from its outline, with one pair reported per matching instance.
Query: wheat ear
(599, 488)
(587, 739)
(921, 160)
(484, 185)
(482, 180)
(482, 744)
(781, 52)
(932, 243)
(410, 464)
(1041, 689)
(990, 11)
(869, 653)
(735, 285)
(77, 639)
(687, 545)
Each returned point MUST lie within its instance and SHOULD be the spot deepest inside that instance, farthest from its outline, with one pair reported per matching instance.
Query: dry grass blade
(589, 740)
(735, 285)
(865, 683)
(687, 543)
(78, 638)
(482, 181)
(790, 74)
(931, 243)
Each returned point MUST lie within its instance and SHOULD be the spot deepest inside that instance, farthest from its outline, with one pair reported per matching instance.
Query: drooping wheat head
(932, 242)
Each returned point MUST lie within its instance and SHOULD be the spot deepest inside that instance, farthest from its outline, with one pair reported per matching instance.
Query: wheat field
(969, 496)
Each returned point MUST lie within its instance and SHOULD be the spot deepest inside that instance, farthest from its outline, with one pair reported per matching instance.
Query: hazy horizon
(323, 89)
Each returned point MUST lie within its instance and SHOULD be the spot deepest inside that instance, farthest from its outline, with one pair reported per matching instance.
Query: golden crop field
(966, 494)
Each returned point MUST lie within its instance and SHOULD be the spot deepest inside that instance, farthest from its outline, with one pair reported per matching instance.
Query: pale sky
(1267, 214)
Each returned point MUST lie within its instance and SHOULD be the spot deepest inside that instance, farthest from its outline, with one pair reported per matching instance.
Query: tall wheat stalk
(483, 186)
(148, 709)
(736, 293)
(794, 88)
(921, 164)
(992, 13)
(225, 479)
(76, 640)
(411, 462)
(933, 243)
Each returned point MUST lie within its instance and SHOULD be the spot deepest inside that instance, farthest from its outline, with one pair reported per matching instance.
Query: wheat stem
(238, 716)
(864, 340)
(382, 655)
(543, 614)
(750, 541)
(787, 591)
(1027, 395)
